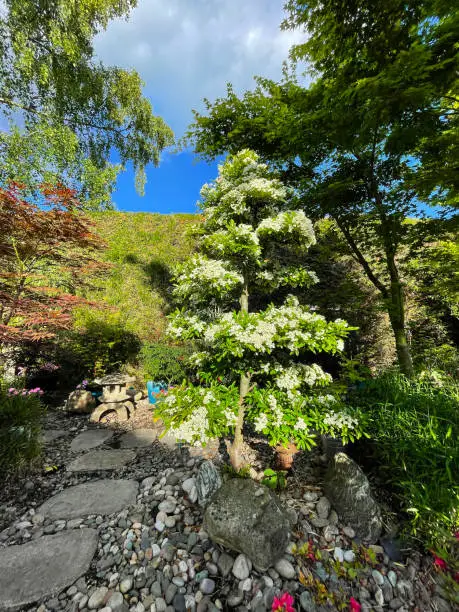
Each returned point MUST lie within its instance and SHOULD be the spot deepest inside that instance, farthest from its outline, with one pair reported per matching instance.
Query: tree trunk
(393, 297)
(235, 450)
(396, 308)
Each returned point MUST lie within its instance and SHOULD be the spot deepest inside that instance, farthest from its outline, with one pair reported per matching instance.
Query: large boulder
(80, 401)
(247, 517)
(348, 489)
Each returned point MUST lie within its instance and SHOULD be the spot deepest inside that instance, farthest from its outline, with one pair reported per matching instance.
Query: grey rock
(207, 586)
(80, 401)
(377, 577)
(170, 593)
(225, 563)
(96, 497)
(338, 554)
(160, 604)
(167, 506)
(97, 598)
(349, 556)
(285, 569)
(323, 507)
(349, 532)
(45, 566)
(255, 525)
(307, 603)
(392, 576)
(348, 489)
(179, 603)
(241, 567)
(379, 597)
(208, 481)
(138, 438)
(96, 460)
(234, 599)
(395, 604)
(126, 584)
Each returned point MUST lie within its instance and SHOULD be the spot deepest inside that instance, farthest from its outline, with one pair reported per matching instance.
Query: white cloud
(187, 50)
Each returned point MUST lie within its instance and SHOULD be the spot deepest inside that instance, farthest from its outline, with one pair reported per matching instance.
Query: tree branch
(361, 259)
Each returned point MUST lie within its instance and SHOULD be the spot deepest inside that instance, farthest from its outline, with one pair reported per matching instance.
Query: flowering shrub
(249, 246)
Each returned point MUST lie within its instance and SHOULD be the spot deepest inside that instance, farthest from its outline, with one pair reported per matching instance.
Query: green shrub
(414, 429)
(162, 362)
(20, 427)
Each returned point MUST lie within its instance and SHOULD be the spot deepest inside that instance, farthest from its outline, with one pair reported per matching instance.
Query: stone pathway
(96, 497)
(97, 460)
(120, 530)
(138, 438)
(44, 567)
(91, 438)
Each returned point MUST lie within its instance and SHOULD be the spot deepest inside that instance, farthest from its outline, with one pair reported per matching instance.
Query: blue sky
(187, 50)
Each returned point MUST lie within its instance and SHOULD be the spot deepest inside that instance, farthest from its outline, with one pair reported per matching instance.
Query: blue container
(153, 389)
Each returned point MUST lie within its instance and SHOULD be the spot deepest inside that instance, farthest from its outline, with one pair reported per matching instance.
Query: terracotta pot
(285, 456)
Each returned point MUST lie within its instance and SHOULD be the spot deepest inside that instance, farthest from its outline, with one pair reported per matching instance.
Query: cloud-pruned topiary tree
(249, 252)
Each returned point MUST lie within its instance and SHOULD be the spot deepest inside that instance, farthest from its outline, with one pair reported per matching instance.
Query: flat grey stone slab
(49, 435)
(97, 497)
(44, 566)
(101, 460)
(138, 438)
(90, 439)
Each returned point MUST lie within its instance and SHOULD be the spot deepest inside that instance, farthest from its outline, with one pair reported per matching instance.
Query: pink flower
(11, 390)
(354, 605)
(456, 535)
(440, 563)
(284, 603)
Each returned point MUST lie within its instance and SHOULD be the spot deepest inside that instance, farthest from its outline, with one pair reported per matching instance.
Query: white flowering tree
(250, 250)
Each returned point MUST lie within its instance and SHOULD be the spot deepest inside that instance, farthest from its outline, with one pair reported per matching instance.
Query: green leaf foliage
(80, 110)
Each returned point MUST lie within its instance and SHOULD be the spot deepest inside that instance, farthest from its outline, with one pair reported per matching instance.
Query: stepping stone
(90, 439)
(49, 435)
(101, 460)
(44, 566)
(138, 438)
(96, 497)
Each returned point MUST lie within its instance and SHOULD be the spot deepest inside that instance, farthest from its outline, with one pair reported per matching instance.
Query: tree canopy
(56, 91)
(371, 142)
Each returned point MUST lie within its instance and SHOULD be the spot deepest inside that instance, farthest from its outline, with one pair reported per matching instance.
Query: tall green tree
(72, 111)
(372, 141)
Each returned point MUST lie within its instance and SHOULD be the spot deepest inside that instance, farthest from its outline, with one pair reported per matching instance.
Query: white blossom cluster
(233, 239)
(241, 179)
(340, 420)
(276, 410)
(200, 273)
(292, 377)
(293, 276)
(261, 422)
(326, 399)
(300, 425)
(257, 332)
(289, 222)
(193, 429)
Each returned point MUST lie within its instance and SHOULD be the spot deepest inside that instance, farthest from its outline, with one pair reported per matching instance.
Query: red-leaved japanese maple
(47, 251)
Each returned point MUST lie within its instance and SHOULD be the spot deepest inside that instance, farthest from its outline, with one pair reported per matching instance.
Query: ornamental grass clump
(21, 411)
(251, 338)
